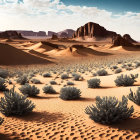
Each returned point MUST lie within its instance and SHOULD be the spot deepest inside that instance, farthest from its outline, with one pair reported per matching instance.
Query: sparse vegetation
(118, 70)
(102, 72)
(135, 97)
(70, 93)
(70, 83)
(46, 75)
(3, 73)
(1, 120)
(49, 89)
(94, 83)
(2, 84)
(29, 90)
(64, 76)
(23, 80)
(15, 104)
(109, 110)
(35, 81)
(53, 82)
(125, 80)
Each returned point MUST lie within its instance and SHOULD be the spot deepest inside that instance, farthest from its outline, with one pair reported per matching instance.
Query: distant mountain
(32, 33)
(68, 33)
(11, 35)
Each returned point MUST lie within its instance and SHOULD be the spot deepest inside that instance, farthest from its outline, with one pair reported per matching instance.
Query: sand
(56, 119)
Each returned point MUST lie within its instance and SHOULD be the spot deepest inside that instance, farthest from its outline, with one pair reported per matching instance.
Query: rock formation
(93, 30)
(54, 37)
(121, 41)
(128, 38)
(11, 35)
(68, 33)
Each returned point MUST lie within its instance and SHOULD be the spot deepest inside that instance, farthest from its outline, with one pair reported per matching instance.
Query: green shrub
(53, 83)
(15, 104)
(135, 97)
(70, 83)
(114, 67)
(35, 81)
(118, 70)
(137, 64)
(77, 77)
(1, 120)
(49, 89)
(102, 72)
(46, 75)
(2, 84)
(29, 90)
(4, 73)
(94, 83)
(125, 80)
(109, 110)
(64, 76)
(22, 80)
(70, 93)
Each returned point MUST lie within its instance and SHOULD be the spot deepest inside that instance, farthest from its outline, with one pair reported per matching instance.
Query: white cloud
(55, 15)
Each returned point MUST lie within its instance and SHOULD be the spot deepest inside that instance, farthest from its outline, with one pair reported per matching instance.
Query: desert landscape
(81, 84)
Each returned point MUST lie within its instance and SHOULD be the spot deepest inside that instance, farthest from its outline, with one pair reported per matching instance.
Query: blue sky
(115, 6)
(121, 16)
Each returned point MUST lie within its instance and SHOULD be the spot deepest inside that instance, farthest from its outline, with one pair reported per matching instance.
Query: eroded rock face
(11, 35)
(120, 41)
(128, 38)
(93, 30)
(54, 37)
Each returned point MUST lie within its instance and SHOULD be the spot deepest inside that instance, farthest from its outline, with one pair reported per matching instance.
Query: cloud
(55, 15)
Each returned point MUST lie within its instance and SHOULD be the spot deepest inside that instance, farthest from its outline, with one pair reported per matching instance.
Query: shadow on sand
(42, 117)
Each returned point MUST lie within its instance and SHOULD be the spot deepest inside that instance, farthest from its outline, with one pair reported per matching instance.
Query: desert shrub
(77, 77)
(129, 65)
(125, 80)
(22, 80)
(118, 70)
(64, 76)
(1, 120)
(70, 83)
(94, 74)
(46, 75)
(102, 72)
(70, 93)
(135, 97)
(114, 67)
(137, 64)
(15, 104)
(2, 84)
(3, 73)
(49, 89)
(109, 110)
(35, 81)
(94, 83)
(29, 90)
(53, 82)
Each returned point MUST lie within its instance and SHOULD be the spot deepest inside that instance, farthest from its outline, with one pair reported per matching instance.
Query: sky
(121, 16)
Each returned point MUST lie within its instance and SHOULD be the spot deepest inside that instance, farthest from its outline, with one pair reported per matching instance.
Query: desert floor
(54, 118)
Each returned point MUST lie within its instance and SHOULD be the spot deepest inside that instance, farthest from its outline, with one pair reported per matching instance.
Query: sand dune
(43, 47)
(13, 56)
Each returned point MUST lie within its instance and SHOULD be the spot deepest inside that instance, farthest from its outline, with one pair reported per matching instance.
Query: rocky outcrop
(54, 37)
(93, 30)
(68, 33)
(11, 35)
(120, 41)
(128, 38)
